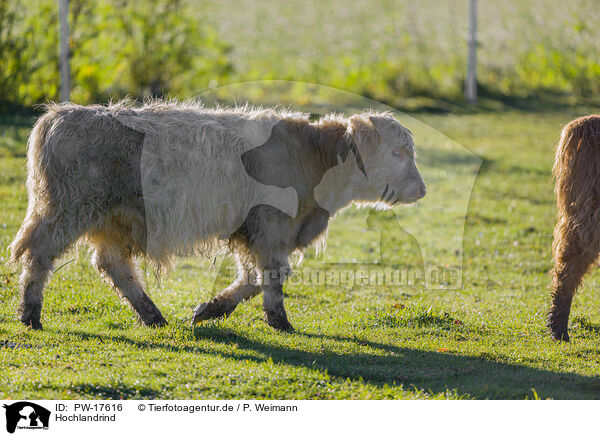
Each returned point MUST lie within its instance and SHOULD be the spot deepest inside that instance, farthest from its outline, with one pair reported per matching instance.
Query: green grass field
(484, 340)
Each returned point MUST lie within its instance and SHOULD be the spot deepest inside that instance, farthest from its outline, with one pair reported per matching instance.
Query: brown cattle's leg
(243, 288)
(119, 271)
(572, 262)
(274, 276)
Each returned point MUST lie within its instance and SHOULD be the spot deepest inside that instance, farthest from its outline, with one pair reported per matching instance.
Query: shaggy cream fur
(172, 179)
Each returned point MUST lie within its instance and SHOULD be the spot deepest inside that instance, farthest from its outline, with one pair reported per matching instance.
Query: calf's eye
(398, 154)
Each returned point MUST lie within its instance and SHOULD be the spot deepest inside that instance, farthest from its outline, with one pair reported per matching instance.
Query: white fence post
(65, 73)
(471, 80)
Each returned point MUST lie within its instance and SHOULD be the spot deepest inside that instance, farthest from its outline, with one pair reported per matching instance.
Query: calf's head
(388, 153)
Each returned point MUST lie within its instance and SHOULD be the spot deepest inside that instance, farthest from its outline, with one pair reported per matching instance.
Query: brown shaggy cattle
(577, 233)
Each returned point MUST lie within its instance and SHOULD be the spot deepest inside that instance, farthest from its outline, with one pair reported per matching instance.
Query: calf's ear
(383, 125)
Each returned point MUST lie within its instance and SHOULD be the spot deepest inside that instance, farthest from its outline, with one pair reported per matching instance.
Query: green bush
(118, 48)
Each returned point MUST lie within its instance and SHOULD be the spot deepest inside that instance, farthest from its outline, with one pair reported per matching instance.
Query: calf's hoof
(156, 320)
(279, 321)
(31, 318)
(215, 308)
(33, 323)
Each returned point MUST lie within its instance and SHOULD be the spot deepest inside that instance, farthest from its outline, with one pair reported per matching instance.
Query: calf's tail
(36, 187)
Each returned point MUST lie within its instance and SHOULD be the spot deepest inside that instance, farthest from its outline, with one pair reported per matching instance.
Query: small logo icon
(26, 415)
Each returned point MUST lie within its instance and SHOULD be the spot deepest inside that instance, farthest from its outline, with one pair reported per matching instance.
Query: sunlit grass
(486, 339)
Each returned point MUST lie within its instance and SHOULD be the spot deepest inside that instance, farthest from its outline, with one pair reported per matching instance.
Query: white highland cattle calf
(176, 179)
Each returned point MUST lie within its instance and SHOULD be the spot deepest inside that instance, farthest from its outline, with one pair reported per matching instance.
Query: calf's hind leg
(41, 243)
(36, 271)
(119, 271)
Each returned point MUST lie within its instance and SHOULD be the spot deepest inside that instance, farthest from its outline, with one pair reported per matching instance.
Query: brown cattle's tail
(577, 233)
(35, 186)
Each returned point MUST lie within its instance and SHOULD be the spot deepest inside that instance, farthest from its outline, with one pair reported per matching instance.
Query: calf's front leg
(274, 276)
(243, 288)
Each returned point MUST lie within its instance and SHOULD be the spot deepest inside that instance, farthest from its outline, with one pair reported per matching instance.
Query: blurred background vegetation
(408, 54)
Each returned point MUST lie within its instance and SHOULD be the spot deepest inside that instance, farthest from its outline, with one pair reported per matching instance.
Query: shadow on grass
(431, 371)
(492, 166)
(448, 159)
(489, 100)
(581, 322)
(472, 377)
(118, 391)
